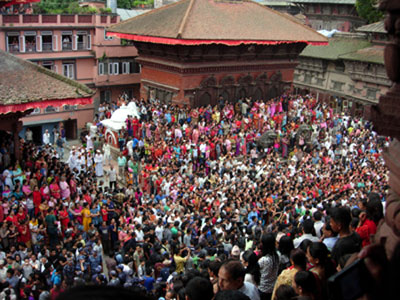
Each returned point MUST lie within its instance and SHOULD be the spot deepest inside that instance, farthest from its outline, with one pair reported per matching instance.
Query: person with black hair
(269, 266)
(305, 284)
(369, 219)
(349, 242)
(213, 269)
(298, 260)
(318, 224)
(284, 292)
(199, 288)
(308, 228)
(231, 277)
(250, 262)
(329, 237)
(285, 246)
(318, 255)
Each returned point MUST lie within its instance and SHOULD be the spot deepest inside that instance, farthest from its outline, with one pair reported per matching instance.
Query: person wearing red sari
(45, 192)
(24, 233)
(64, 218)
(135, 127)
(21, 215)
(55, 190)
(12, 217)
(72, 186)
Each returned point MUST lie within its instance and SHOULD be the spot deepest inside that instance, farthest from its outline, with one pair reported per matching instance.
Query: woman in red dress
(55, 189)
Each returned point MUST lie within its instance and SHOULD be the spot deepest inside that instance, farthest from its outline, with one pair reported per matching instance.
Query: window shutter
(116, 68)
(101, 68)
(89, 42)
(75, 42)
(55, 41)
(22, 43)
(39, 43)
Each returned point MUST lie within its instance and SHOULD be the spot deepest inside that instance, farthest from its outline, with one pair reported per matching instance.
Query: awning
(4, 109)
(43, 121)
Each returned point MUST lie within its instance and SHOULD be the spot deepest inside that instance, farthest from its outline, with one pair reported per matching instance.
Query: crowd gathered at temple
(242, 200)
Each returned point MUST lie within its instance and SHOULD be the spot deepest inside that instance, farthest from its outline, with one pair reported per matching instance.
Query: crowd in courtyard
(257, 199)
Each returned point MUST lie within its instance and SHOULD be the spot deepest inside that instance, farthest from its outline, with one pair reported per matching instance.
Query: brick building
(194, 51)
(330, 14)
(77, 47)
(349, 73)
(24, 87)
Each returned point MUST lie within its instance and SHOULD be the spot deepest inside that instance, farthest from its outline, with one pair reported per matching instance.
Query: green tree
(366, 10)
(62, 7)
(124, 4)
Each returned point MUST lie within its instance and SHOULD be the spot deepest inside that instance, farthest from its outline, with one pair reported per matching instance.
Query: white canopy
(118, 118)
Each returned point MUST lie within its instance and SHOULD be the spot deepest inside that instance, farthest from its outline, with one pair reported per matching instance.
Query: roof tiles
(212, 20)
(23, 82)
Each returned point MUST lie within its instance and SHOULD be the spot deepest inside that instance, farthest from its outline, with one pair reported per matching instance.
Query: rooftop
(194, 22)
(372, 54)
(378, 27)
(350, 2)
(23, 82)
(336, 48)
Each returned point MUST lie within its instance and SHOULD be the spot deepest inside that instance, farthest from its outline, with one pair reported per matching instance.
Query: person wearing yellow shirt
(180, 260)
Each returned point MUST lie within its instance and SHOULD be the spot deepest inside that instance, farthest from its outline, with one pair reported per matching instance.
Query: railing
(67, 18)
(82, 45)
(57, 19)
(13, 48)
(85, 18)
(30, 48)
(47, 46)
(67, 46)
(10, 19)
(49, 18)
(30, 19)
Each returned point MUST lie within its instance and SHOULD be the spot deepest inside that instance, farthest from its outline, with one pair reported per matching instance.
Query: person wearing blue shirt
(148, 280)
(252, 214)
(56, 277)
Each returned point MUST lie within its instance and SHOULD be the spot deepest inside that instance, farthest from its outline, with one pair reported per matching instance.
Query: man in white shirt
(318, 223)
(46, 137)
(308, 226)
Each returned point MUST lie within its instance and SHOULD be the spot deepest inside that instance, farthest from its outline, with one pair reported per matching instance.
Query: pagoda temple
(193, 52)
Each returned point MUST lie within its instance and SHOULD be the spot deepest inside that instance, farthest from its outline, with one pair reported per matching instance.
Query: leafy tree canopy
(65, 7)
(366, 10)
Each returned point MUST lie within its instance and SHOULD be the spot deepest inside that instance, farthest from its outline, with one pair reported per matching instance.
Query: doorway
(36, 134)
(70, 127)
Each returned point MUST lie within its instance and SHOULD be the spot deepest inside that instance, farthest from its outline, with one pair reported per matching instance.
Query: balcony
(82, 46)
(61, 20)
(13, 48)
(47, 46)
(67, 46)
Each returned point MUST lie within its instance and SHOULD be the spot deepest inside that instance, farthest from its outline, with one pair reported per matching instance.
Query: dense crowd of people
(257, 199)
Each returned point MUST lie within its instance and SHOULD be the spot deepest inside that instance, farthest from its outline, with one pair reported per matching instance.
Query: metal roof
(377, 27)
(126, 14)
